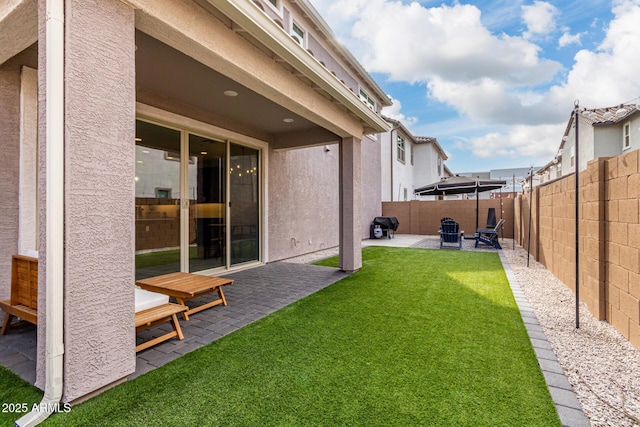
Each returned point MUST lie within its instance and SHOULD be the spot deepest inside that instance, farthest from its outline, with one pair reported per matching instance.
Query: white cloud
(567, 39)
(540, 18)
(448, 41)
(493, 79)
(393, 112)
(539, 143)
(608, 75)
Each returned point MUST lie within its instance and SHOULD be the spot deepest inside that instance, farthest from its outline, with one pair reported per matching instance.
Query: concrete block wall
(609, 243)
(622, 231)
(423, 216)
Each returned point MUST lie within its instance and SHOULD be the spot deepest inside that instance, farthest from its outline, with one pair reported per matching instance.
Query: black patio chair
(450, 233)
(489, 236)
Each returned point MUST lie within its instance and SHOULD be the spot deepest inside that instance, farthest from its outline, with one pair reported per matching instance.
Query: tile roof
(609, 115)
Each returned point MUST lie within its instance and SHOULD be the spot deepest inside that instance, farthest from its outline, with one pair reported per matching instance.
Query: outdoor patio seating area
(256, 293)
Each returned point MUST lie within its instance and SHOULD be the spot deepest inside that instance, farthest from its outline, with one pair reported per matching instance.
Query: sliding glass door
(197, 202)
(207, 204)
(158, 197)
(245, 208)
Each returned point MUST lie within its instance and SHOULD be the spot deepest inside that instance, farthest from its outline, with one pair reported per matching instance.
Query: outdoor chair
(450, 233)
(491, 218)
(489, 236)
(23, 303)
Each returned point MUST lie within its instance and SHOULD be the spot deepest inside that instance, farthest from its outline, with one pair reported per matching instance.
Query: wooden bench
(186, 286)
(23, 302)
(157, 315)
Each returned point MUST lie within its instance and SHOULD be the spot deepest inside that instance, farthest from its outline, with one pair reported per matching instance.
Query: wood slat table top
(182, 284)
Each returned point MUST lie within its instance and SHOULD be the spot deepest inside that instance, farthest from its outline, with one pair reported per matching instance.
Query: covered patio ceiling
(162, 70)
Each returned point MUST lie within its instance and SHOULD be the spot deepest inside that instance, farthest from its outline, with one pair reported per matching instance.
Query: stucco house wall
(427, 157)
(304, 216)
(371, 177)
(105, 90)
(600, 134)
(607, 141)
(398, 175)
(9, 172)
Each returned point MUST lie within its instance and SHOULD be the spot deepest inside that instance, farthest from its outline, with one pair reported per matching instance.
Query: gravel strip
(601, 365)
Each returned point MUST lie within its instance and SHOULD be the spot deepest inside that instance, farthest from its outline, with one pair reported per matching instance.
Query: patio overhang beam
(304, 138)
(19, 23)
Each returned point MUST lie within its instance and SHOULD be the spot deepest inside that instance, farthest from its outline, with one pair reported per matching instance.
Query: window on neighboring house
(274, 3)
(626, 136)
(439, 166)
(573, 156)
(297, 33)
(401, 149)
(364, 96)
(411, 147)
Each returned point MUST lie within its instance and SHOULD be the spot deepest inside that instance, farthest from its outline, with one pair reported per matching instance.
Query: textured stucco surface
(371, 176)
(19, 24)
(350, 204)
(99, 195)
(9, 176)
(99, 230)
(28, 159)
(303, 201)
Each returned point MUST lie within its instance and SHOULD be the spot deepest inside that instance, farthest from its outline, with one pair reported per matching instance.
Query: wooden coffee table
(186, 286)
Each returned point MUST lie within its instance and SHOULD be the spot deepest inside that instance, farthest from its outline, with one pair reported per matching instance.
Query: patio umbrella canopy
(461, 185)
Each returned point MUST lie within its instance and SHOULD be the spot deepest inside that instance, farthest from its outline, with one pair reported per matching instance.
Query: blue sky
(493, 81)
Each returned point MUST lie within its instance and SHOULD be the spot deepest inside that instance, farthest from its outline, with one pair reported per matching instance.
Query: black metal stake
(513, 226)
(530, 204)
(577, 172)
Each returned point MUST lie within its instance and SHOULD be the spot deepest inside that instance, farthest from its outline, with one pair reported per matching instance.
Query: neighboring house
(221, 134)
(551, 170)
(602, 132)
(514, 177)
(409, 162)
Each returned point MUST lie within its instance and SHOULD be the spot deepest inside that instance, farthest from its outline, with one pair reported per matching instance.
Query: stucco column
(99, 279)
(350, 204)
(9, 172)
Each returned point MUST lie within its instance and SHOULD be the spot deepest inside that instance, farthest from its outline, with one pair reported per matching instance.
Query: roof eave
(266, 31)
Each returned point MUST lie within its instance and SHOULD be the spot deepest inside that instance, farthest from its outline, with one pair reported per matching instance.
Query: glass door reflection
(157, 183)
(244, 196)
(207, 238)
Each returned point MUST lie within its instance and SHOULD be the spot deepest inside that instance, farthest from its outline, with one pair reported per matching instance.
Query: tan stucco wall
(9, 172)
(19, 24)
(304, 198)
(99, 195)
(371, 176)
(28, 159)
(303, 201)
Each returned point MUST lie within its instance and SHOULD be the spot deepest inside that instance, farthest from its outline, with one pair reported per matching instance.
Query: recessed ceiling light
(287, 120)
(230, 93)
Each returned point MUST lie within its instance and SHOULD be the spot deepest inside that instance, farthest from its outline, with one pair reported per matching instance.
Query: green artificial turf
(17, 397)
(416, 337)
